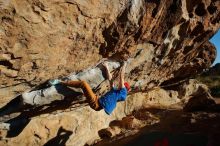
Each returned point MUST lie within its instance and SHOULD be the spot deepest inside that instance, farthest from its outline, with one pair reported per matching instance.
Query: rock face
(46, 39)
(164, 41)
(82, 125)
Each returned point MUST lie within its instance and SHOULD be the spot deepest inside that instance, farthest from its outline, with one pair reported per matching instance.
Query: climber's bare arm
(109, 75)
(122, 76)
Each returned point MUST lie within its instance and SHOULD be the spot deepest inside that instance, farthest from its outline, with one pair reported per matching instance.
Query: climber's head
(127, 86)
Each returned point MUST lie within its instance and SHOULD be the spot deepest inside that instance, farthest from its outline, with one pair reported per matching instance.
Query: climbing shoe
(54, 82)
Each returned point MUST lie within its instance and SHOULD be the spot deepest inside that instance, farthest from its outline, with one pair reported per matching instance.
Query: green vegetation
(213, 82)
(212, 79)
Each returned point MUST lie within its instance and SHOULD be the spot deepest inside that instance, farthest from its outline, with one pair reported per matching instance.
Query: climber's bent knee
(98, 108)
(84, 84)
(94, 104)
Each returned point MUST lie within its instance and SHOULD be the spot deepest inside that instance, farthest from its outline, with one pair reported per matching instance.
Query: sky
(216, 41)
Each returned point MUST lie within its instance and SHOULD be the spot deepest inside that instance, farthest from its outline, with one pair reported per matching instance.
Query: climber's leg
(89, 94)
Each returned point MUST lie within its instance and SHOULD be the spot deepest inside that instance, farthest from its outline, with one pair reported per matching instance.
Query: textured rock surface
(177, 127)
(81, 121)
(167, 41)
(46, 39)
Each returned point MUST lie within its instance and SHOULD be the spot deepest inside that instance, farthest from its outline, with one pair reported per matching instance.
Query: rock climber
(109, 100)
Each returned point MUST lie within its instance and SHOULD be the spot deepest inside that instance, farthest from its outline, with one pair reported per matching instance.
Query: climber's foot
(54, 82)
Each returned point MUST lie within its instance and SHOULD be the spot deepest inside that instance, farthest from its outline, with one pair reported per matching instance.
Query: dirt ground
(176, 128)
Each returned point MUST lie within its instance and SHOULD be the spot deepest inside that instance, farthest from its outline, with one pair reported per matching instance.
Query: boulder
(163, 41)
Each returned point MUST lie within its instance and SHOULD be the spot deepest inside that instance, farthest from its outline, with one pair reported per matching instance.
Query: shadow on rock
(60, 139)
(17, 125)
(174, 128)
(18, 122)
(170, 139)
(13, 106)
